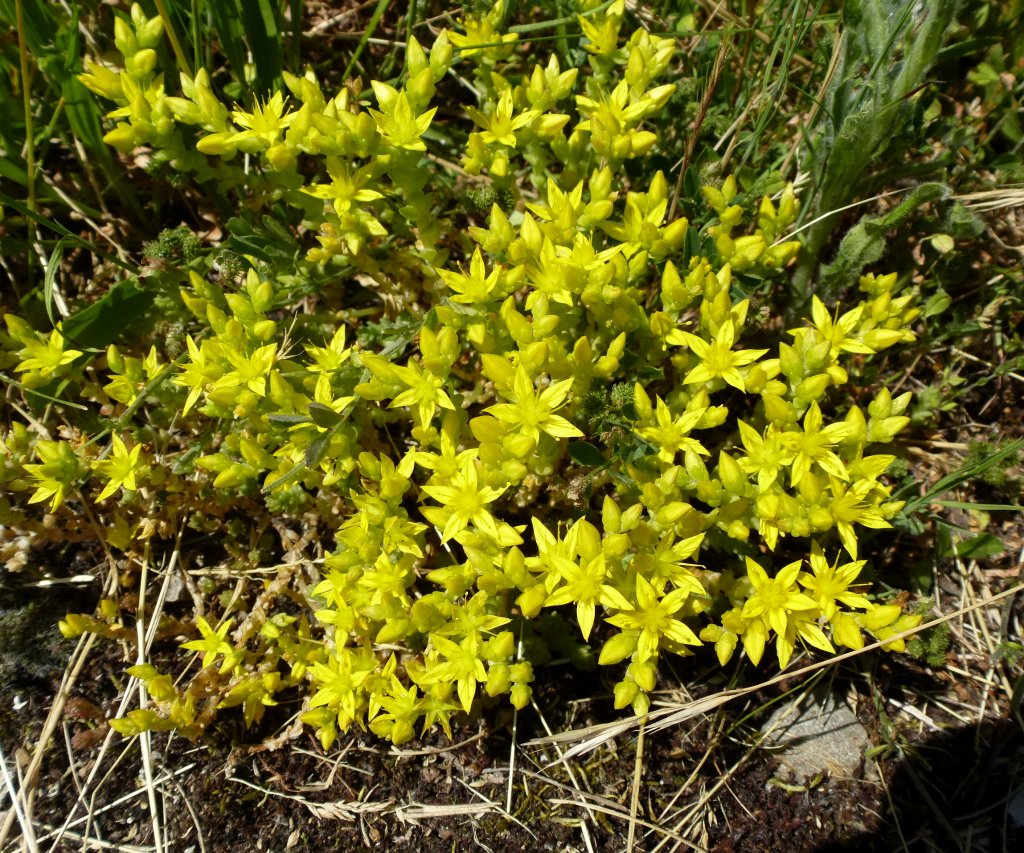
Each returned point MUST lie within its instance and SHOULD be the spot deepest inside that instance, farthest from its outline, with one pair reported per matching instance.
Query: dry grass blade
(587, 840)
(49, 727)
(596, 803)
(350, 810)
(116, 804)
(423, 811)
(341, 810)
(812, 116)
(90, 842)
(1003, 198)
(590, 738)
(145, 739)
(705, 104)
(337, 810)
(614, 812)
(714, 7)
(783, 238)
(638, 779)
(27, 833)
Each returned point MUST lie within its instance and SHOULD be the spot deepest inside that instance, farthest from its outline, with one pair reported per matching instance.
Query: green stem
(26, 96)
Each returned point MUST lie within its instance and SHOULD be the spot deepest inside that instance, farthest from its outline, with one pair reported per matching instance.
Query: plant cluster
(567, 404)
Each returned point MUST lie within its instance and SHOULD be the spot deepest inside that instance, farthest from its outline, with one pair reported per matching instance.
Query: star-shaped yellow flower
(718, 359)
(533, 413)
(464, 501)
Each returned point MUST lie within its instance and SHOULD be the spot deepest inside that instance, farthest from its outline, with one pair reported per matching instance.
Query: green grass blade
(72, 238)
(106, 319)
(967, 505)
(963, 475)
(227, 31)
(558, 22)
(262, 33)
(378, 13)
(11, 171)
(49, 280)
(237, 24)
(39, 26)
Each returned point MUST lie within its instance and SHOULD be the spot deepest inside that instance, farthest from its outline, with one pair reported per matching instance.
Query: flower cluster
(722, 501)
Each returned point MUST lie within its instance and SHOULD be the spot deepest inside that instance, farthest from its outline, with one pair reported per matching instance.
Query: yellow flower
(849, 506)
(775, 599)
(501, 126)
(838, 331)
(213, 644)
(55, 473)
(534, 413)
(766, 456)
(397, 123)
(121, 467)
(813, 445)
(263, 126)
(831, 584)
(200, 371)
(45, 358)
(425, 391)
(671, 435)
(345, 189)
(718, 360)
(478, 286)
(802, 624)
(483, 35)
(654, 619)
(250, 371)
(462, 665)
(464, 502)
(585, 586)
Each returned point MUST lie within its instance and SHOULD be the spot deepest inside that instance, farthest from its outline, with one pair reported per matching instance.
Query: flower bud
(731, 475)
(625, 693)
(124, 39)
(122, 137)
(531, 600)
(500, 647)
(520, 696)
(498, 680)
(642, 403)
(280, 157)
(217, 145)
(440, 56)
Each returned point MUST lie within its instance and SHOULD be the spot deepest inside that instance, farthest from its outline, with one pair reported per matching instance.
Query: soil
(941, 790)
(938, 778)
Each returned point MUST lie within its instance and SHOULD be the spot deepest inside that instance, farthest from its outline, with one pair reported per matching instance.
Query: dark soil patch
(363, 794)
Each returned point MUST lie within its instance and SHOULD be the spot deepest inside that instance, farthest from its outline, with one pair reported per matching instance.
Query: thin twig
(638, 778)
(812, 116)
(145, 740)
(702, 112)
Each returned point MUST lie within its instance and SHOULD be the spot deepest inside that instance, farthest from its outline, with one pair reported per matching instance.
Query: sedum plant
(566, 405)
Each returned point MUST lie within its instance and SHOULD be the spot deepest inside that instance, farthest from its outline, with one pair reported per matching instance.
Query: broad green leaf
(586, 454)
(105, 320)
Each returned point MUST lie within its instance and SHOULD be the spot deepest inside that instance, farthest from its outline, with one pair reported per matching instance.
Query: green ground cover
(459, 387)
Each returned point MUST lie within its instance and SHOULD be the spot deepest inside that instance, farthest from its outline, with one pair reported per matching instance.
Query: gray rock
(1015, 808)
(818, 734)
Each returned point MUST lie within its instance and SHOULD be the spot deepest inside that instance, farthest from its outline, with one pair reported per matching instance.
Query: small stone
(818, 734)
(1015, 808)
